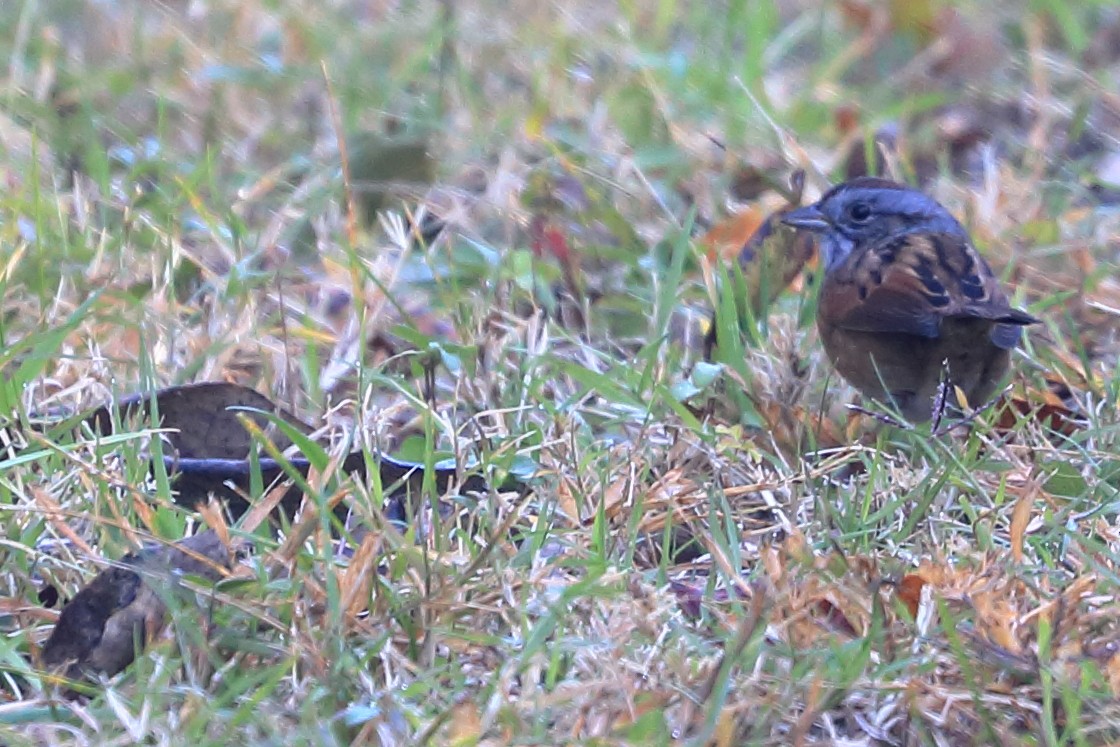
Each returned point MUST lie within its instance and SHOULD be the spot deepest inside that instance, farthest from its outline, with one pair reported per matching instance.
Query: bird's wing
(911, 283)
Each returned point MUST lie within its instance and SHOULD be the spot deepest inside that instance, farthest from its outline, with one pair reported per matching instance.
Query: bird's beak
(809, 218)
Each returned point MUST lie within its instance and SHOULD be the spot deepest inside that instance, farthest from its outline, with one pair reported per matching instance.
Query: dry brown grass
(838, 581)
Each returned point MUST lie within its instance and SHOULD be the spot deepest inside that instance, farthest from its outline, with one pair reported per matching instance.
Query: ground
(495, 233)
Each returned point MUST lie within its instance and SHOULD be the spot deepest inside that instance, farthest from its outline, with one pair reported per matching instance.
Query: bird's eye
(859, 212)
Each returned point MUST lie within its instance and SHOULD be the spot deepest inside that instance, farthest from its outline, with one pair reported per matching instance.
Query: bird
(906, 301)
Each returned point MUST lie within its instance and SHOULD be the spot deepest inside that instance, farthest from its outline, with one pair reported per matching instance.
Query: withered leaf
(204, 418)
(124, 606)
(211, 446)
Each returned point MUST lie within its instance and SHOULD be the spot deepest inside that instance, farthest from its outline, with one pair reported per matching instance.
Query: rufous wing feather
(910, 283)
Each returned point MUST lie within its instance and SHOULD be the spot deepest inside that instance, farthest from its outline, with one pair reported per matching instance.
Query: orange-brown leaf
(726, 239)
(910, 592)
(1020, 517)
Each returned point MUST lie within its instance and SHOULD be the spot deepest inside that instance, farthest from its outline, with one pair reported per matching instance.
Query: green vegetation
(715, 552)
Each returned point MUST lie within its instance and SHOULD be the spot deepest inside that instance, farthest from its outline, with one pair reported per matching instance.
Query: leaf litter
(754, 587)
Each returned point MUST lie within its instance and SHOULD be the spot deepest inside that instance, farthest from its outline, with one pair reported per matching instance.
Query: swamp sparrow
(906, 296)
